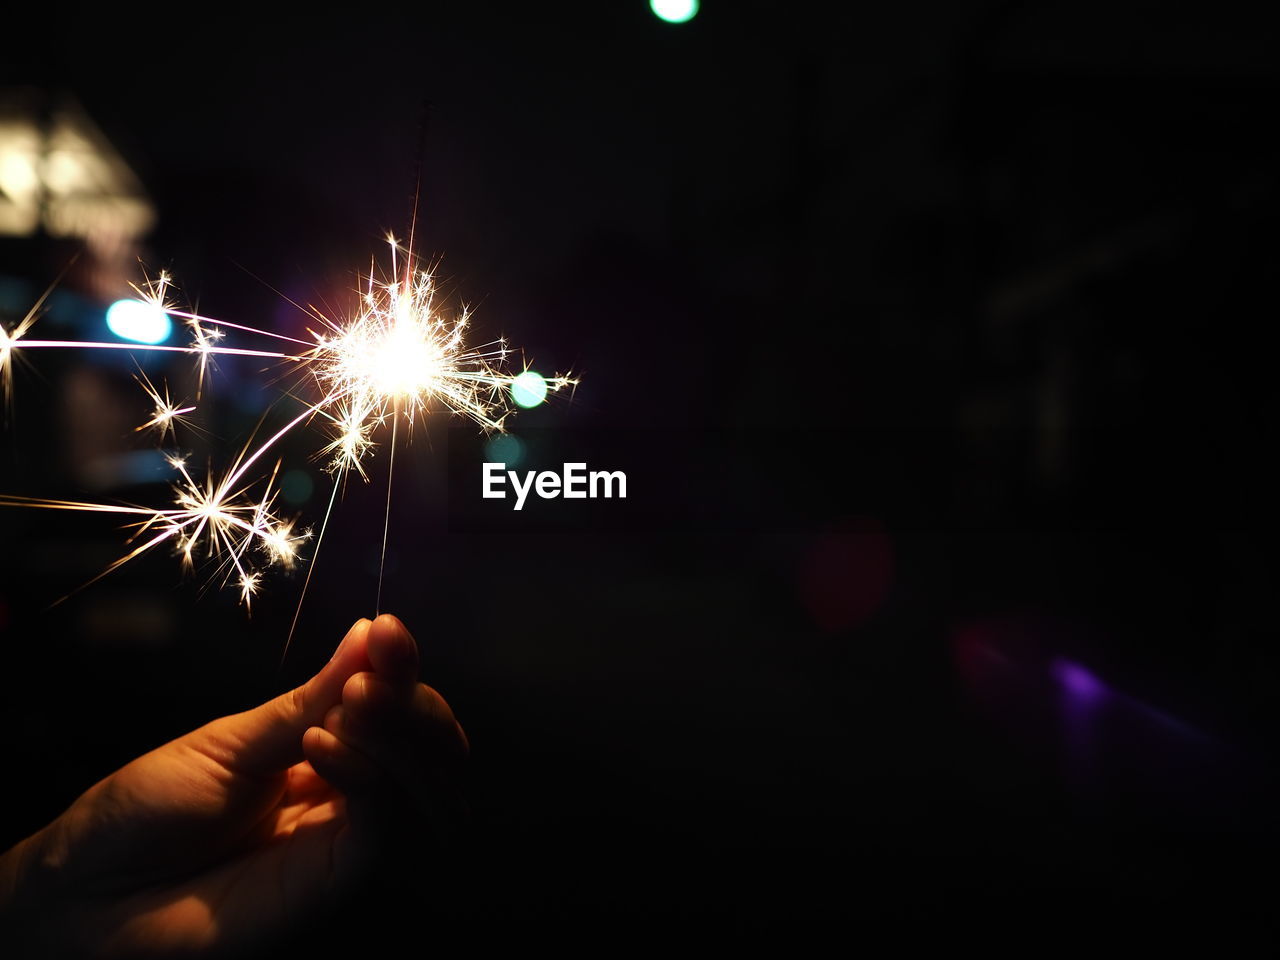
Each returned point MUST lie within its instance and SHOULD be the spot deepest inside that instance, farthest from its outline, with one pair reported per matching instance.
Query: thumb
(267, 739)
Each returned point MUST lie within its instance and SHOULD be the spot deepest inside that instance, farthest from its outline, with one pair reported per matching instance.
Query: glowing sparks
(207, 521)
(400, 352)
(165, 413)
(398, 355)
(9, 342)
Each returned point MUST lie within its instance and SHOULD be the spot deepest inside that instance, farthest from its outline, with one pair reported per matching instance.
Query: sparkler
(398, 356)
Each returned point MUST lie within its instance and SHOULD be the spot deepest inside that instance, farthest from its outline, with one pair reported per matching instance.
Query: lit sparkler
(399, 356)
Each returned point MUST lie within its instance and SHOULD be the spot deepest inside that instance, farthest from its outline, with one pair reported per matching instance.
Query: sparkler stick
(386, 522)
(397, 356)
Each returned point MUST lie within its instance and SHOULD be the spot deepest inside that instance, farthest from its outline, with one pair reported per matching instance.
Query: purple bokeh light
(1079, 683)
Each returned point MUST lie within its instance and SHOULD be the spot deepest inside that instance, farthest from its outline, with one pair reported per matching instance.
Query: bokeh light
(674, 11)
(529, 389)
(1081, 685)
(296, 486)
(138, 321)
(504, 448)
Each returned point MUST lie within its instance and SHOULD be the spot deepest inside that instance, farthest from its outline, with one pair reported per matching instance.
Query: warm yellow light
(60, 173)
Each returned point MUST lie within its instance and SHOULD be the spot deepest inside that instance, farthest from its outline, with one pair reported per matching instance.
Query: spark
(9, 342)
(165, 413)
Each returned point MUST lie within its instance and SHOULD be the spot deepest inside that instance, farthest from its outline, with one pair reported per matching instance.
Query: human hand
(236, 831)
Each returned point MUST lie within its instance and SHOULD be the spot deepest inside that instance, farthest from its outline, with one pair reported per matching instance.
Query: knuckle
(295, 701)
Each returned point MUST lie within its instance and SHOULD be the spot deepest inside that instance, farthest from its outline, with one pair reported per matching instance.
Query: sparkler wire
(386, 522)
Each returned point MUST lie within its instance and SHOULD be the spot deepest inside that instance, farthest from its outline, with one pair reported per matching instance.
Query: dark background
(953, 312)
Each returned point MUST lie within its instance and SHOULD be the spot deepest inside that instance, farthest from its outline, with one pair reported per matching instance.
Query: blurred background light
(127, 469)
(296, 486)
(138, 321)
(529, 389)
(1078, 682)
(504, 448)
(59, 173)
(674, 11)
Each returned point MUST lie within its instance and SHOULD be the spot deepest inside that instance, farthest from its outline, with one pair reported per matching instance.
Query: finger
(373, 774)
(265, 740)
(393, 651)
(438, 716)
(340, 764)
(352, 656)
(403, 767)
(423, 716)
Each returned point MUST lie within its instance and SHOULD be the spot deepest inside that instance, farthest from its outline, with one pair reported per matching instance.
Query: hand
(238, 830)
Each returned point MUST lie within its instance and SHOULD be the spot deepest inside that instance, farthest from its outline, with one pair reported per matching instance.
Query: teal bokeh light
(138, 321)
(296, 486)
(504, 448)
(674, 11)
(529, 389)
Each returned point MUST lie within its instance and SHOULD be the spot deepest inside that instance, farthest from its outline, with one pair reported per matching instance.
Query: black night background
(937, 331)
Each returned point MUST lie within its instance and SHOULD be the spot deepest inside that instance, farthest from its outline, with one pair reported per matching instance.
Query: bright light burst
(8, 344)
(401, 353)
(398, 356)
